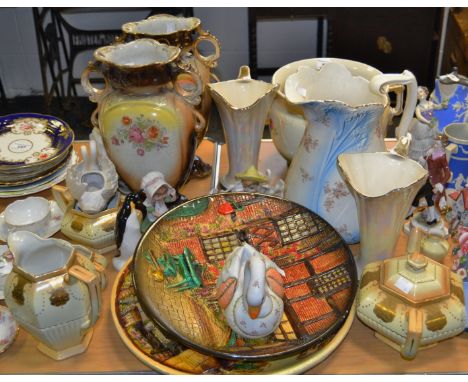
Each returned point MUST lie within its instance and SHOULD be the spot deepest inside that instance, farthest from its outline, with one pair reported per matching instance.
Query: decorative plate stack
(165, 303)
(35, 152)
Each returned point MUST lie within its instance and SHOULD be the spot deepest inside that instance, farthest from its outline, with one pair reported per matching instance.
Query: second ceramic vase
(383, 186)
(243, 105)
(345, 114)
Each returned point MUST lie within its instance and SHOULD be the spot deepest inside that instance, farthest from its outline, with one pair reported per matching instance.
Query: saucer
(52, 179)
(50, 228)
(6, 265)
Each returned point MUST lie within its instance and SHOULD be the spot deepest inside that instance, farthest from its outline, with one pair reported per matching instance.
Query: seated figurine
(253, 180)
(158, 193)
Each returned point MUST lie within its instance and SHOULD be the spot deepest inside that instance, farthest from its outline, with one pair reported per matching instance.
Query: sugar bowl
(412, 302)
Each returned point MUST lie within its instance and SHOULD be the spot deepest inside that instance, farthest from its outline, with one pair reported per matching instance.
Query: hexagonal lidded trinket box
(412, 302)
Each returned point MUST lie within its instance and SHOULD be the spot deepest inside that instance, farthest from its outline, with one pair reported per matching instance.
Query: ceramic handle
(413, 337)
(95, 94)
(95, 116)
(188, 84)
(200, 125)
(211, 60)
(63, 197)
(383, 83)
(94, 289)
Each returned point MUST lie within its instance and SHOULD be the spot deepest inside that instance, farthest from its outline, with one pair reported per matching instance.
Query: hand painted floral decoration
(144, 134)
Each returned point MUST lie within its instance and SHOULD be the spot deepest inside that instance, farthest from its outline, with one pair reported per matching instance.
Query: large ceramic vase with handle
(145, 112)
(54, 292)
(187, 34)
(345, 113)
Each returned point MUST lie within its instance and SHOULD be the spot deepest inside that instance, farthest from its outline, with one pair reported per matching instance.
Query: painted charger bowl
(165, 355)
(33, 141)
(176, 288)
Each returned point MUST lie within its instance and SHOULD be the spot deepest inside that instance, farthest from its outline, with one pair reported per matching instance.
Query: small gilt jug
(54, 292)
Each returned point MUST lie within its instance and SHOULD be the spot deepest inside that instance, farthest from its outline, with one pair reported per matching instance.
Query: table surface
(360, 353)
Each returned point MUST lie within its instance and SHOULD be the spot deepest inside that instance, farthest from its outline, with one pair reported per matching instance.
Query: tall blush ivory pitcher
(144, 112)
(345, 113)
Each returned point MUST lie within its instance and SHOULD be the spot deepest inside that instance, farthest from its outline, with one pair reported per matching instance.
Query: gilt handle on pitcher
(63, 197)
(211, 60)
(384, 83)
(94, 289)
(95, 94)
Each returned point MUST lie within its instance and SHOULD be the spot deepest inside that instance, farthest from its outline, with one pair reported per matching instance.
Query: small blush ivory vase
(243, 105)
(383, 185)
(187, 34)
(345, 114)
(54, 292)
(144, 112)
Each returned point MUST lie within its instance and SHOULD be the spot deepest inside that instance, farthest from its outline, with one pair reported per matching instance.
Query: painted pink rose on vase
(135, 135)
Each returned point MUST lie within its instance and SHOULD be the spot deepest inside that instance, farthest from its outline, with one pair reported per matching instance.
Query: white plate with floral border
(41, 185)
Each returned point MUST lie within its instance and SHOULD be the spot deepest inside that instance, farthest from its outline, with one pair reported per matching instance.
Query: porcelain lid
(417, 280)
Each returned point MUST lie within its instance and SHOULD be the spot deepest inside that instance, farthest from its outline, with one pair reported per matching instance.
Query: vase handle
(187, 83)
(200, 125)
(95, 94)
(94, 289)
(211, 60)
(384, 83)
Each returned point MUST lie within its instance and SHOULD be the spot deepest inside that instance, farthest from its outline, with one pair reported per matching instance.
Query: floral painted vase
(187, 34)
(145, 112)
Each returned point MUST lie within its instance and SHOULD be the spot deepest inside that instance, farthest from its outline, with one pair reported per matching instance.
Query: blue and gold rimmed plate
(30, 141)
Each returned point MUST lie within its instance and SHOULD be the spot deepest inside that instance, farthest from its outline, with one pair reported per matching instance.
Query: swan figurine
(250, 291)
(94, 180)
(128, 232)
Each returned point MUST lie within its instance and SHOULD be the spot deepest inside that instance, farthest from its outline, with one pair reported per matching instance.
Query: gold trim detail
(386, 309)
(436, 320)
(369, 277)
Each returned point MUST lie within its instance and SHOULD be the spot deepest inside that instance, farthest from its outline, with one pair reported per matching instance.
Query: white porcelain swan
(94, 180)
(250, 291)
